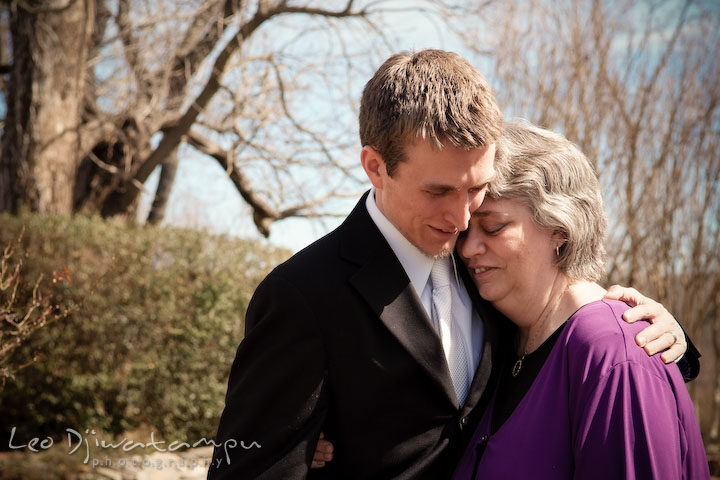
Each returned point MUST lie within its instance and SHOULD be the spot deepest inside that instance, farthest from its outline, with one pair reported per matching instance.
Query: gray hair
(554, 179)
(431, 94)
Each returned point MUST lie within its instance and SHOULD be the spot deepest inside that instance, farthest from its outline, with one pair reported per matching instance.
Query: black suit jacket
(337, 341)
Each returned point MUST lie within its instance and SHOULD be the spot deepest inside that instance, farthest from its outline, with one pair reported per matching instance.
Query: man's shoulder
(308, 274)
(354, 240)
(314, 257)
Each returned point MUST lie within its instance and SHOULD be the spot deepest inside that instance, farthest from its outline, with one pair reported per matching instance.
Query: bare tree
(101, 93)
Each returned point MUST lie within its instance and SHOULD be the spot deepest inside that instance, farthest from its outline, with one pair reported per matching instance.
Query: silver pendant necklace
(518, 366)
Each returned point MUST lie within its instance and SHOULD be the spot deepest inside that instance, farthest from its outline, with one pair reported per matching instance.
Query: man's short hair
(432, 95)
(554, 179)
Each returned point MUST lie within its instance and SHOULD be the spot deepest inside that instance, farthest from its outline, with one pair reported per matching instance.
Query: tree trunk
(40, 148)
(164, 188)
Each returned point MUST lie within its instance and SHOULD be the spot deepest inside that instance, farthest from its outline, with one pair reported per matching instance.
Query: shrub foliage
(157, 316)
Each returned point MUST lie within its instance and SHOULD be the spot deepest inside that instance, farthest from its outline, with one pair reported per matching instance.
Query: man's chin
(436, 251)
(443, 252)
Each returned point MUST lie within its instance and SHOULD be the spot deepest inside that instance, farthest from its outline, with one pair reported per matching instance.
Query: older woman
(578, 399)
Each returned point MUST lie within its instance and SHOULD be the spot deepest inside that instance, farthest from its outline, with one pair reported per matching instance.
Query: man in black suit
(348, 337)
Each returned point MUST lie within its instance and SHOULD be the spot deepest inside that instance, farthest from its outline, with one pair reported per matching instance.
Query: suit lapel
(383, 283)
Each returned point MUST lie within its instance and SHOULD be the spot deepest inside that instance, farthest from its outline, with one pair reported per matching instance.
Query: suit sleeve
(689, 364)
(628, 427)
(277, 395)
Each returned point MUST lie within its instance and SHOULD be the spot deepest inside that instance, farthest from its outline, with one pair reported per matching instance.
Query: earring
(557, 249)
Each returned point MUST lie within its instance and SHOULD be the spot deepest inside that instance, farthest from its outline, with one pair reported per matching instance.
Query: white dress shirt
(417, 265)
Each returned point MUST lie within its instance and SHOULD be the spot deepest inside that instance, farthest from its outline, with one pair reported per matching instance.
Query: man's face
(432, 193)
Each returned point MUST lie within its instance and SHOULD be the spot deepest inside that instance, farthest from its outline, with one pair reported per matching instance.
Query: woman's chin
(488, 293)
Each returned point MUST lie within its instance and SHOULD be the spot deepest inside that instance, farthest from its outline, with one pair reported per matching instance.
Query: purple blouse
(599, 408)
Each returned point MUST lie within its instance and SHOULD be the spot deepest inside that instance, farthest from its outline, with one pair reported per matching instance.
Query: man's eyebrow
(442, 187)
(484, 185)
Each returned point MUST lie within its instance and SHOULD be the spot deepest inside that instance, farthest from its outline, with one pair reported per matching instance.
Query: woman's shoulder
(602, 319)
(598, 337)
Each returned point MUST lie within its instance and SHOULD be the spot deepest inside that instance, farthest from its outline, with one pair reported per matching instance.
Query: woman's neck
(563, 299)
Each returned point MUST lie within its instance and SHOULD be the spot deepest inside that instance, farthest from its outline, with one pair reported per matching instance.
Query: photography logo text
(89, 442)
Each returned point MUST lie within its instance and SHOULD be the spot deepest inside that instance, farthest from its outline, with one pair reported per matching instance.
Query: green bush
(157, 316)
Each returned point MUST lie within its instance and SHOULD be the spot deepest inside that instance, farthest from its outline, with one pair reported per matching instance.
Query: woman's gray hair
(555, 180)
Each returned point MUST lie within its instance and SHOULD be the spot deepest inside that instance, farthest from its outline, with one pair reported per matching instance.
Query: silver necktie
(450, 334)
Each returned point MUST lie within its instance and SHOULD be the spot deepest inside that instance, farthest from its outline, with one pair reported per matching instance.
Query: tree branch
(131, 48)
(173, 136)
(199, 41)
(263, 213)
(301, 128)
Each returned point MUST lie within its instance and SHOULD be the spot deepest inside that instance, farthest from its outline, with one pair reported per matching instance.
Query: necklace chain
(544, 315)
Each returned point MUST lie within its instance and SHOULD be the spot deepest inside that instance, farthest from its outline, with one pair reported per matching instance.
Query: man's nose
(459, 213)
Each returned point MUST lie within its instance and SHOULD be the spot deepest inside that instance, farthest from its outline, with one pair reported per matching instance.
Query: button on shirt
(417, 265)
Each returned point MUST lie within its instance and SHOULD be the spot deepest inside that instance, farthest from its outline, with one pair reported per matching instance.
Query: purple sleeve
(627, 426)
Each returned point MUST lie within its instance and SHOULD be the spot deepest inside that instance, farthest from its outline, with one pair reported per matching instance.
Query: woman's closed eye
(493, 229)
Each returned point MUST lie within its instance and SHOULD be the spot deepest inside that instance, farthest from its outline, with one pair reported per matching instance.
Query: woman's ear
(560, 239)
(374, 166)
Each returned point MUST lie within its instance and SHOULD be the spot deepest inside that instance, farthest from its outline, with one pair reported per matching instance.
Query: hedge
(157, 314)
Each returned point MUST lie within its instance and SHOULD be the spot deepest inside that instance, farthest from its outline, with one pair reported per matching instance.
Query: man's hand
(664, 335)
(323, 452)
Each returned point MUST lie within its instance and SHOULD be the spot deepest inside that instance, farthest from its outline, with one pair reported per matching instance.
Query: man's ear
(374, 166)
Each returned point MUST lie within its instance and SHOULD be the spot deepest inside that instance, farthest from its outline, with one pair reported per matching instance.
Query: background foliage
(157, 318)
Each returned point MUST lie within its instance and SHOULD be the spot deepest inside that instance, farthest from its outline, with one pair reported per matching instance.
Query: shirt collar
(417, 265)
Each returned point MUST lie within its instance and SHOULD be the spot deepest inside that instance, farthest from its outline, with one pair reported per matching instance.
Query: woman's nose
(459, 213)
(473, 243)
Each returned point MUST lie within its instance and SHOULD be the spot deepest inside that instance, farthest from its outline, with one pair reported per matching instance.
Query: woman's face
(510, 258)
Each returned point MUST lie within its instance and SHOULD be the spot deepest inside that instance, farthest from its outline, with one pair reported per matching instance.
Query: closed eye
(494, 229)
(437, 193)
